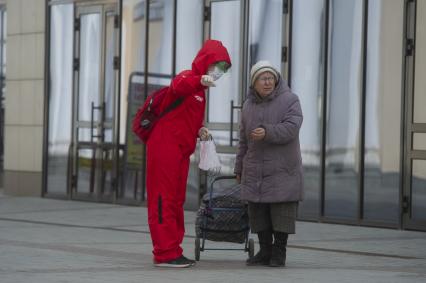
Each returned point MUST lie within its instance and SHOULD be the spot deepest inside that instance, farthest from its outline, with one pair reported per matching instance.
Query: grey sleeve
(288, 128)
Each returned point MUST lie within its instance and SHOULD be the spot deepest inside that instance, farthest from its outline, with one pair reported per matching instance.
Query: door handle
(92, 122)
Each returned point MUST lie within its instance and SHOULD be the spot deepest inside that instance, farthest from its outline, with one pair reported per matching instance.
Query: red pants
(166, 178)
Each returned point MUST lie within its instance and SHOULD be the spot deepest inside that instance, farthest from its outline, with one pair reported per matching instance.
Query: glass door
(225, 21)
(251, 31)
(307, 80)
(94, 171)
(414, 193)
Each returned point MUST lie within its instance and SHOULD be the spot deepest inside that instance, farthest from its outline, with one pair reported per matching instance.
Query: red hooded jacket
(185, 121)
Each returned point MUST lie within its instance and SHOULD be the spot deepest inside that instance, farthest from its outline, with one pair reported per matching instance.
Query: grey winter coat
(271, 169)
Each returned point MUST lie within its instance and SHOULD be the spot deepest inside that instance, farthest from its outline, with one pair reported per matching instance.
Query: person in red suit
(169, 147)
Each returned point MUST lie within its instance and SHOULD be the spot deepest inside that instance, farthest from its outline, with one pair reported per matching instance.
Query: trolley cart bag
(222, 216)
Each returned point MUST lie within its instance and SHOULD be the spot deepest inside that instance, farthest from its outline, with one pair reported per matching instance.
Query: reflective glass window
(383, 111)
(60, 100)
(343, 104)
(307, 78)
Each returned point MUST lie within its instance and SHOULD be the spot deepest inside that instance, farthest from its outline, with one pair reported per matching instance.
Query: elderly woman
(269, 163)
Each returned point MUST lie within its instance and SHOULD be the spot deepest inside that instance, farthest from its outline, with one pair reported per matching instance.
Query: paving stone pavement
(52, 241)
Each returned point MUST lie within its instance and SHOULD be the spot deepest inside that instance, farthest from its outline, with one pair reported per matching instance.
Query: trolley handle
(225, 177)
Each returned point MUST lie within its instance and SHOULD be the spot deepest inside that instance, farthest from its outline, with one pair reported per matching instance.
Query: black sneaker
(180, 262)
(190, 260)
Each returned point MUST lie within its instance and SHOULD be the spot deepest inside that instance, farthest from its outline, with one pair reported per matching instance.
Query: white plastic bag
(209, 159)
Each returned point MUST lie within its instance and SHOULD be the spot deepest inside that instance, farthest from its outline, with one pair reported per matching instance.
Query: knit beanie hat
(259, 68)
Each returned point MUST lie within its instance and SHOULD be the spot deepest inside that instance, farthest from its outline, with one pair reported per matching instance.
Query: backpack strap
(172, 106)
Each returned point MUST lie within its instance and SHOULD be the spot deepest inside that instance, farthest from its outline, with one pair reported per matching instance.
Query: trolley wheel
(251, 248)
(197, 249)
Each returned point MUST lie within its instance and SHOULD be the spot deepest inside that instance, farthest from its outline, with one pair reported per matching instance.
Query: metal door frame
(411, 128)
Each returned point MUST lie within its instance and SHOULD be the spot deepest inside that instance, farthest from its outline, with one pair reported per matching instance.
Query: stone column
(24, 99)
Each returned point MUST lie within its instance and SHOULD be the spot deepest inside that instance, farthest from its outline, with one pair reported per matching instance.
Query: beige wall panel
(13, 59)
(14, 16)
(28, 64)
(11, 145)
(38, 148)
(13, 103)
(24, 96)
(33, 16)
(27, 108)
(31, 103)
(39, 53)
(38, 102)
(28, 148)
(29, 16)
(22, 183)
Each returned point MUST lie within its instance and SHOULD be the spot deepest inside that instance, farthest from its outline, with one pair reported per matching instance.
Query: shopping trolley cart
(222, 217)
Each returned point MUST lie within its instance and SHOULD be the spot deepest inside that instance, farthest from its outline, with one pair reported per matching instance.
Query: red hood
(212, 51)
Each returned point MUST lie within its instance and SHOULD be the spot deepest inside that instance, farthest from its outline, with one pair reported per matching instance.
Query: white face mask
(216, 73)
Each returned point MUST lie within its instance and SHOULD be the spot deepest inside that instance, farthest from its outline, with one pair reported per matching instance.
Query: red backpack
(149, 114)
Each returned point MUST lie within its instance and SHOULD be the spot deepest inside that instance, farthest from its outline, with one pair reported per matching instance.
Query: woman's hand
(258, 134)
(207, 80)
(238, 176)
(203, 133)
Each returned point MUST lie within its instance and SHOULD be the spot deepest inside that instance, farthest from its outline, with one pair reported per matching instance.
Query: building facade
(78, 69)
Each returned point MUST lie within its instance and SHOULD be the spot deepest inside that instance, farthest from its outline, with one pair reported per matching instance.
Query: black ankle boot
(262, 257)
(278, 256)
